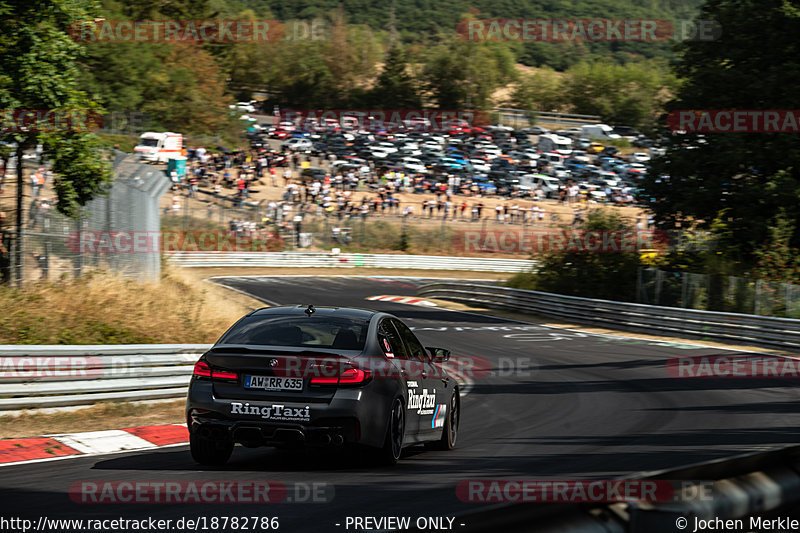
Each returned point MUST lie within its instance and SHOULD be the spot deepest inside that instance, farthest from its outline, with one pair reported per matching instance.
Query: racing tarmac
(561, 404)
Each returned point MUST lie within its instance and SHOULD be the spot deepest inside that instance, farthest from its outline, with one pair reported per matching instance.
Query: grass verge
(100, 308)
(95, 418)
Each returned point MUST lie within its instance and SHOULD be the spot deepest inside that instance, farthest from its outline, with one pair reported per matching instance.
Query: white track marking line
(112, 440)
(48, 459)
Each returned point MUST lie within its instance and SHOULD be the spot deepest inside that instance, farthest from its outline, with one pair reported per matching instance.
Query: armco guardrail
(567, 119)
(769, 332)
(759, 485)
(345, 260)
(57, 376)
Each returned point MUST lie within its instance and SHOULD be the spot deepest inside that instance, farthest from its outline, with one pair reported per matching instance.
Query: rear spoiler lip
(242, 349)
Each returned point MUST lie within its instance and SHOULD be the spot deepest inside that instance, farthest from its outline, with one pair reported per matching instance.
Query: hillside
(422, 20)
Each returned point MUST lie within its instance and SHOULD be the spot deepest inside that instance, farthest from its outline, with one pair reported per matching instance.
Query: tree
(396, 88)
(298, 72)
(40, 73)
(752, 65)
(463, 75)
(172, 9)
(351, 55)
(604, 274)
(117, 74)
(777, 259)
(632, 94)
(540, 91)
(188, 92)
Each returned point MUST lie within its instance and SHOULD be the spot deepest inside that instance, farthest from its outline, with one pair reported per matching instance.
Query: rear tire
(450, 429)
(209, 452)
(389, 454)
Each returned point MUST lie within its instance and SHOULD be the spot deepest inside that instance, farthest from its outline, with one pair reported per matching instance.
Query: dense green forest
(743, 187)
(378, 55)
(422, 20)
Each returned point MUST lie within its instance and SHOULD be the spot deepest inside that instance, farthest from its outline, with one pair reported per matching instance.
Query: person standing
(577, 217)
(573, 193)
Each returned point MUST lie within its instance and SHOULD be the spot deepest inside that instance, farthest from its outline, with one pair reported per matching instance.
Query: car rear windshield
(291, 330)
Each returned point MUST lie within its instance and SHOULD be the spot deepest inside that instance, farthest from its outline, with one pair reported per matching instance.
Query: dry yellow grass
(96, 418)
(103, 309)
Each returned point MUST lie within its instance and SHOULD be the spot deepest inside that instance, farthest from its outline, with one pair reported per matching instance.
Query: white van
(555, 143)
(159, 147)
(599, 131)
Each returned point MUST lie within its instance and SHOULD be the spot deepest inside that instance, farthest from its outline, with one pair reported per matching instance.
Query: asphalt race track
(561, 404)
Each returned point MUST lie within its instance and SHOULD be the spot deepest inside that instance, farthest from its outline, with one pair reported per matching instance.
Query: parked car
(548, 184)
(313, 173)
(298, 144)
(625, 131)
(535, 130)
(595, 148)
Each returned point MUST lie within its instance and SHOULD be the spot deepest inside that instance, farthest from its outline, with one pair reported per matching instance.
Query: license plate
(273, 383)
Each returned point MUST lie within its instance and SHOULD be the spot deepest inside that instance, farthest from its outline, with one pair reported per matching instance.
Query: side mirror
(439, 354)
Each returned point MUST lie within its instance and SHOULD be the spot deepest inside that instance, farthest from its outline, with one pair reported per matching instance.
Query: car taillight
(221, 374)
(351, 376)
(324, 381)
(202, 369)
(354, 375)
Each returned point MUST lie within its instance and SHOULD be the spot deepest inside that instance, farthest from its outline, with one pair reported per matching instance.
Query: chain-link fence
(718, 293)
(309, 225)
(55, 246)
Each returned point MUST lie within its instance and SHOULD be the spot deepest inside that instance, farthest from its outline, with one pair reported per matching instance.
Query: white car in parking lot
(414, 165)
(298, 144)
(387, 147)
(379, 152)
(479, 165)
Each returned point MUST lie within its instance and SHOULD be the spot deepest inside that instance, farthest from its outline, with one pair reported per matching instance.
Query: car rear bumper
(342, 420)
(255, 434)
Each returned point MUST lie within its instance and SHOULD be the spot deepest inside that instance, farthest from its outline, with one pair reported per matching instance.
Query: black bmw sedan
(331, 377)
